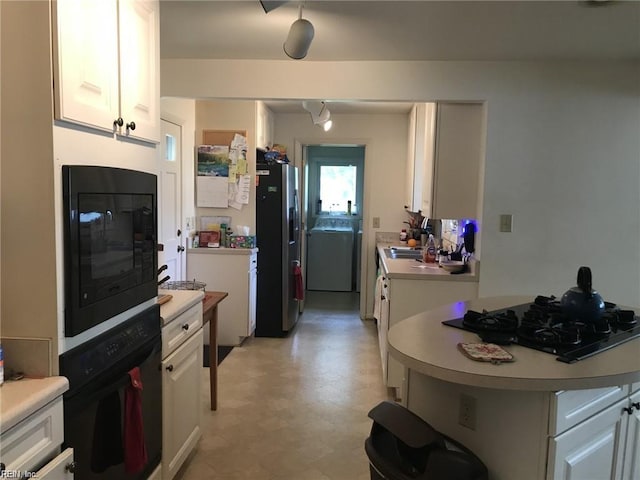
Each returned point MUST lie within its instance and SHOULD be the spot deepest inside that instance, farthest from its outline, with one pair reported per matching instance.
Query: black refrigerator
(278, 242)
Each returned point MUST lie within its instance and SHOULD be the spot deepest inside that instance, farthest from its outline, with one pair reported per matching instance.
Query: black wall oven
(101, 414)
(110, 238)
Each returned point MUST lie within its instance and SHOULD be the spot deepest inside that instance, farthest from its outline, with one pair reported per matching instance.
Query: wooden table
(210, 314)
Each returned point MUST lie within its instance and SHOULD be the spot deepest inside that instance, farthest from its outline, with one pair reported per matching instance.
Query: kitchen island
(534, 418)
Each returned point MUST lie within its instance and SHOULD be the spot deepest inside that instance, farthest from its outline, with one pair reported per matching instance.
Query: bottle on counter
(403, 235)
(431, 251)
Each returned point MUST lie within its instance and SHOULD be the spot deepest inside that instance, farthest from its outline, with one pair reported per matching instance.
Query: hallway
(295, 408)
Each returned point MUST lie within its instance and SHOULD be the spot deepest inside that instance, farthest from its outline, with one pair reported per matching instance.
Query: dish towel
(106, 449)
(297, 273)
(135, 451)
(376, 298)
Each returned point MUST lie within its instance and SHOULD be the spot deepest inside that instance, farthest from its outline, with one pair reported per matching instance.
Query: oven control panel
(94, 357)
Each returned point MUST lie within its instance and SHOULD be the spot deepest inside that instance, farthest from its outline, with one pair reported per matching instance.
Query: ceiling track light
(320, 114)
(299, 39)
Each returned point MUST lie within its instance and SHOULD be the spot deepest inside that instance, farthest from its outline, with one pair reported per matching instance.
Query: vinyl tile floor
(295, 408)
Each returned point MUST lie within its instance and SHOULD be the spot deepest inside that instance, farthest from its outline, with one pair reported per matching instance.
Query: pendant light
(299, 39)
(320, 114)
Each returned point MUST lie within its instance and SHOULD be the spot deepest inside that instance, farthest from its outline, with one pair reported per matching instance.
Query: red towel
(297, 272)
(135, 451)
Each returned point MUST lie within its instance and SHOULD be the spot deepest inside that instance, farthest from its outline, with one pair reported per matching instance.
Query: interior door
(170, 202)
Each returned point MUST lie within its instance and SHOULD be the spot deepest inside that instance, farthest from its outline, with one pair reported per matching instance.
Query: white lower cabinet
(233, 271)
(404, 298)
(591, 450)
(36, 439)
(181, 404)
(588, 434)
(603, 446)
(631, 466)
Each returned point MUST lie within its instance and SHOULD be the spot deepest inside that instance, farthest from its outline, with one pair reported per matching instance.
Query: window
(335, 177)
(338, 187)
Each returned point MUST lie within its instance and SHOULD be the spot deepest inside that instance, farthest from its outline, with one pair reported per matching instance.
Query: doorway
(334, 184)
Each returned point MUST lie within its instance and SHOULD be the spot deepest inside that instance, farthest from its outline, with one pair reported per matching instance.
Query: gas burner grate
(505, 321)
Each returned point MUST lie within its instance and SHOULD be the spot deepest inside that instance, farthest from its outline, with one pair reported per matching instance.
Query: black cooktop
(544, 326)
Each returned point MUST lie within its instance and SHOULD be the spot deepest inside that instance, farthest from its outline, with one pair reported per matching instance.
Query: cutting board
(162, 299)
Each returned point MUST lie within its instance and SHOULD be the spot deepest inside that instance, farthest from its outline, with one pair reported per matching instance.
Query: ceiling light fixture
(299, 39)
(320, 114)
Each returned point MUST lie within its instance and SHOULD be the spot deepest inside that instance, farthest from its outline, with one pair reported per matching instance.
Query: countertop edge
(422, 344)
(182, 300)
(392, 271)
(21, 398)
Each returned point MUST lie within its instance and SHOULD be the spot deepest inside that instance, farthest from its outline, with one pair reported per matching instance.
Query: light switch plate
(506, 223)
(376, 222)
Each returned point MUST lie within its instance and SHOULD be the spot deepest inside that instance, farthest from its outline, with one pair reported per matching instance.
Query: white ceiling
(404, 30)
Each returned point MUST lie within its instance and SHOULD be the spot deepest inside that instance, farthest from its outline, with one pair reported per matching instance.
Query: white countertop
(182, 300)
(223, 251)
(411, 269)
(424, 344)
(21, 398)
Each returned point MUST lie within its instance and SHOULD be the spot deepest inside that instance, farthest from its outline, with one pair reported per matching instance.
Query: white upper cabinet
(420, 164)
(86, 63)
(459, 150)
(139, 68)
(106, 66)
(444, 169)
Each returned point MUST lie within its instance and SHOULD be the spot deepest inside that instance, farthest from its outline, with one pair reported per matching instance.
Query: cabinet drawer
(34, 440)
(181, 328)
(570, 407)
(60, 468)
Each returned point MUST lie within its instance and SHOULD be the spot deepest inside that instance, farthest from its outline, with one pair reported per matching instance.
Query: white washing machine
(330, 254)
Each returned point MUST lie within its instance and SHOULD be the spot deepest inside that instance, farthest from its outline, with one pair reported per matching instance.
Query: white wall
(563, 153)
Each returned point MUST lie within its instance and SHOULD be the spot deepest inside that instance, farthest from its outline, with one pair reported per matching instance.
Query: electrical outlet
(467, 413)
(506, 223)
(376, 222)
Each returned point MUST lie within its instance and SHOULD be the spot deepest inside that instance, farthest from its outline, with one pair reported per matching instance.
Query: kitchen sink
(399, 253)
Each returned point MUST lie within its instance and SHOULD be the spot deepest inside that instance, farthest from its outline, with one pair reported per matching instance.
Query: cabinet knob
(169, 368)
(131, 126)
(118, 122)
(71, 467)
(636, 405)
(180, 248)
(629, 410)
(185, 327)
(179, 232)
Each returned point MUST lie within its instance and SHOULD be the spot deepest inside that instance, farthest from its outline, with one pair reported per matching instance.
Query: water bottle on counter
(403, 235)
